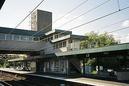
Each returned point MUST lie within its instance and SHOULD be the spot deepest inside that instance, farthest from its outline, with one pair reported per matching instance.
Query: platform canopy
(118, 47)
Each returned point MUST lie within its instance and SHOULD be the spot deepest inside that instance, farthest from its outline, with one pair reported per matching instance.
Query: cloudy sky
(14, 11)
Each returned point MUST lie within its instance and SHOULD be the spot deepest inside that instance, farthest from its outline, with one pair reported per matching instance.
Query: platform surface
(81, 80)
(11, 70)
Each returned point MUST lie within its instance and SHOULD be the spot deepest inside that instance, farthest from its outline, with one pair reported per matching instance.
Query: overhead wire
(29, 13)
(112, 24)
(27, 16)
(107, 26)
(55, 20)
(103, 3)
(90, 10)
(62, 16)
(97, 19)
(119, 29)
(71, 10)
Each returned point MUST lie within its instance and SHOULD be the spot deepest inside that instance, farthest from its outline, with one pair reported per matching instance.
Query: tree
(95, 40)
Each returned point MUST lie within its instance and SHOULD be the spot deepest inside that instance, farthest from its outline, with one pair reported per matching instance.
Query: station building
(40, 42)
(58, 52)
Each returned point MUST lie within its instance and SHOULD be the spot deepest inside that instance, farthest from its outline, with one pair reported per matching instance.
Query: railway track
(7, 79)
(14, 79)
(18, 83)
(3, 83)
(23, 83)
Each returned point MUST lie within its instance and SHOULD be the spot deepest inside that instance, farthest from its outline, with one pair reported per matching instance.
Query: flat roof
(117, 47)
(7, 30)
(58, 31)
(81, 37)
(69, 36)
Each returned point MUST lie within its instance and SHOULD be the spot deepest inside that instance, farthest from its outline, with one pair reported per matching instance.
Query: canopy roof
(119, 47)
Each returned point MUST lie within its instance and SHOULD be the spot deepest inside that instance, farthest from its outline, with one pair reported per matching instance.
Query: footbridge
(9, 46)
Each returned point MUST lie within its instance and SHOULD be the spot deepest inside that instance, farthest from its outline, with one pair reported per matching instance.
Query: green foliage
(94, 40)
(94, 72)
(4, 63)
(91, 62)
(1, 62)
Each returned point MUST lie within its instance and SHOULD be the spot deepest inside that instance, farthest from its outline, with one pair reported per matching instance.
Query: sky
(13, 11)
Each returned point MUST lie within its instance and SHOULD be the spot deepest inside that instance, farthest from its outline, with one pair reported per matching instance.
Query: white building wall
(49, 47)
(75, 45)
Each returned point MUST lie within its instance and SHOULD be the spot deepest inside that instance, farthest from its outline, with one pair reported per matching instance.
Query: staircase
(75, 68)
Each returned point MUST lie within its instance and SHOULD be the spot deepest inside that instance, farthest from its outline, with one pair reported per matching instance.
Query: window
(9, 37)
(2, 36)
(30, 38)
(64, 43)
(23, 38)
(56, 45)
(70, 40)
(16, 37)
(51, 37)
(60, 44)
(56, 36)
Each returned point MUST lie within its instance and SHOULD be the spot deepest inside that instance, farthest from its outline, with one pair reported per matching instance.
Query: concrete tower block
(41, 20)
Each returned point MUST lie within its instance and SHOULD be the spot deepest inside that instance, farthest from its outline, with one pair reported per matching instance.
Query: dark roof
(7, 30)
(68, 37)
(58, 31)
(118, 47)
(1, 3)
(78, 37)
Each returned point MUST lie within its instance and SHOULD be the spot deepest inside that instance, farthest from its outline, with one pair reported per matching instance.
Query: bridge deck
(81, 80)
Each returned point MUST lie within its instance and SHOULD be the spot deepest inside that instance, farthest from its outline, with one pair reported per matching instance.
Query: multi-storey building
(40, 42)
(58, 52)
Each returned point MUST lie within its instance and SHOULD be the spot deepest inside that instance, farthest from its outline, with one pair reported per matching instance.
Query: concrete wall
(21, 45)
(75, 45)
(49, 48)
(41, 20)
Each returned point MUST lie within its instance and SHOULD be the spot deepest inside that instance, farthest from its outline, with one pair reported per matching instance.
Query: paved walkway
(11, 70)
(82, 80)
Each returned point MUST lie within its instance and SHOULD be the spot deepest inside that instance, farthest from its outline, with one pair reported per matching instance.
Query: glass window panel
(2, 36)
(16, 37)
(56, 36)
(9, 37)
(30, 38)
(60, 44)
(64, 43)
(24, 38)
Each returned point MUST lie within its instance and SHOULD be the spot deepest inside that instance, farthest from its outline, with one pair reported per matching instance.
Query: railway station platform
(80, 80)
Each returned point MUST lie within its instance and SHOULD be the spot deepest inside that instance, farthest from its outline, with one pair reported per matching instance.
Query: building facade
(58, 51)
(39, 44)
